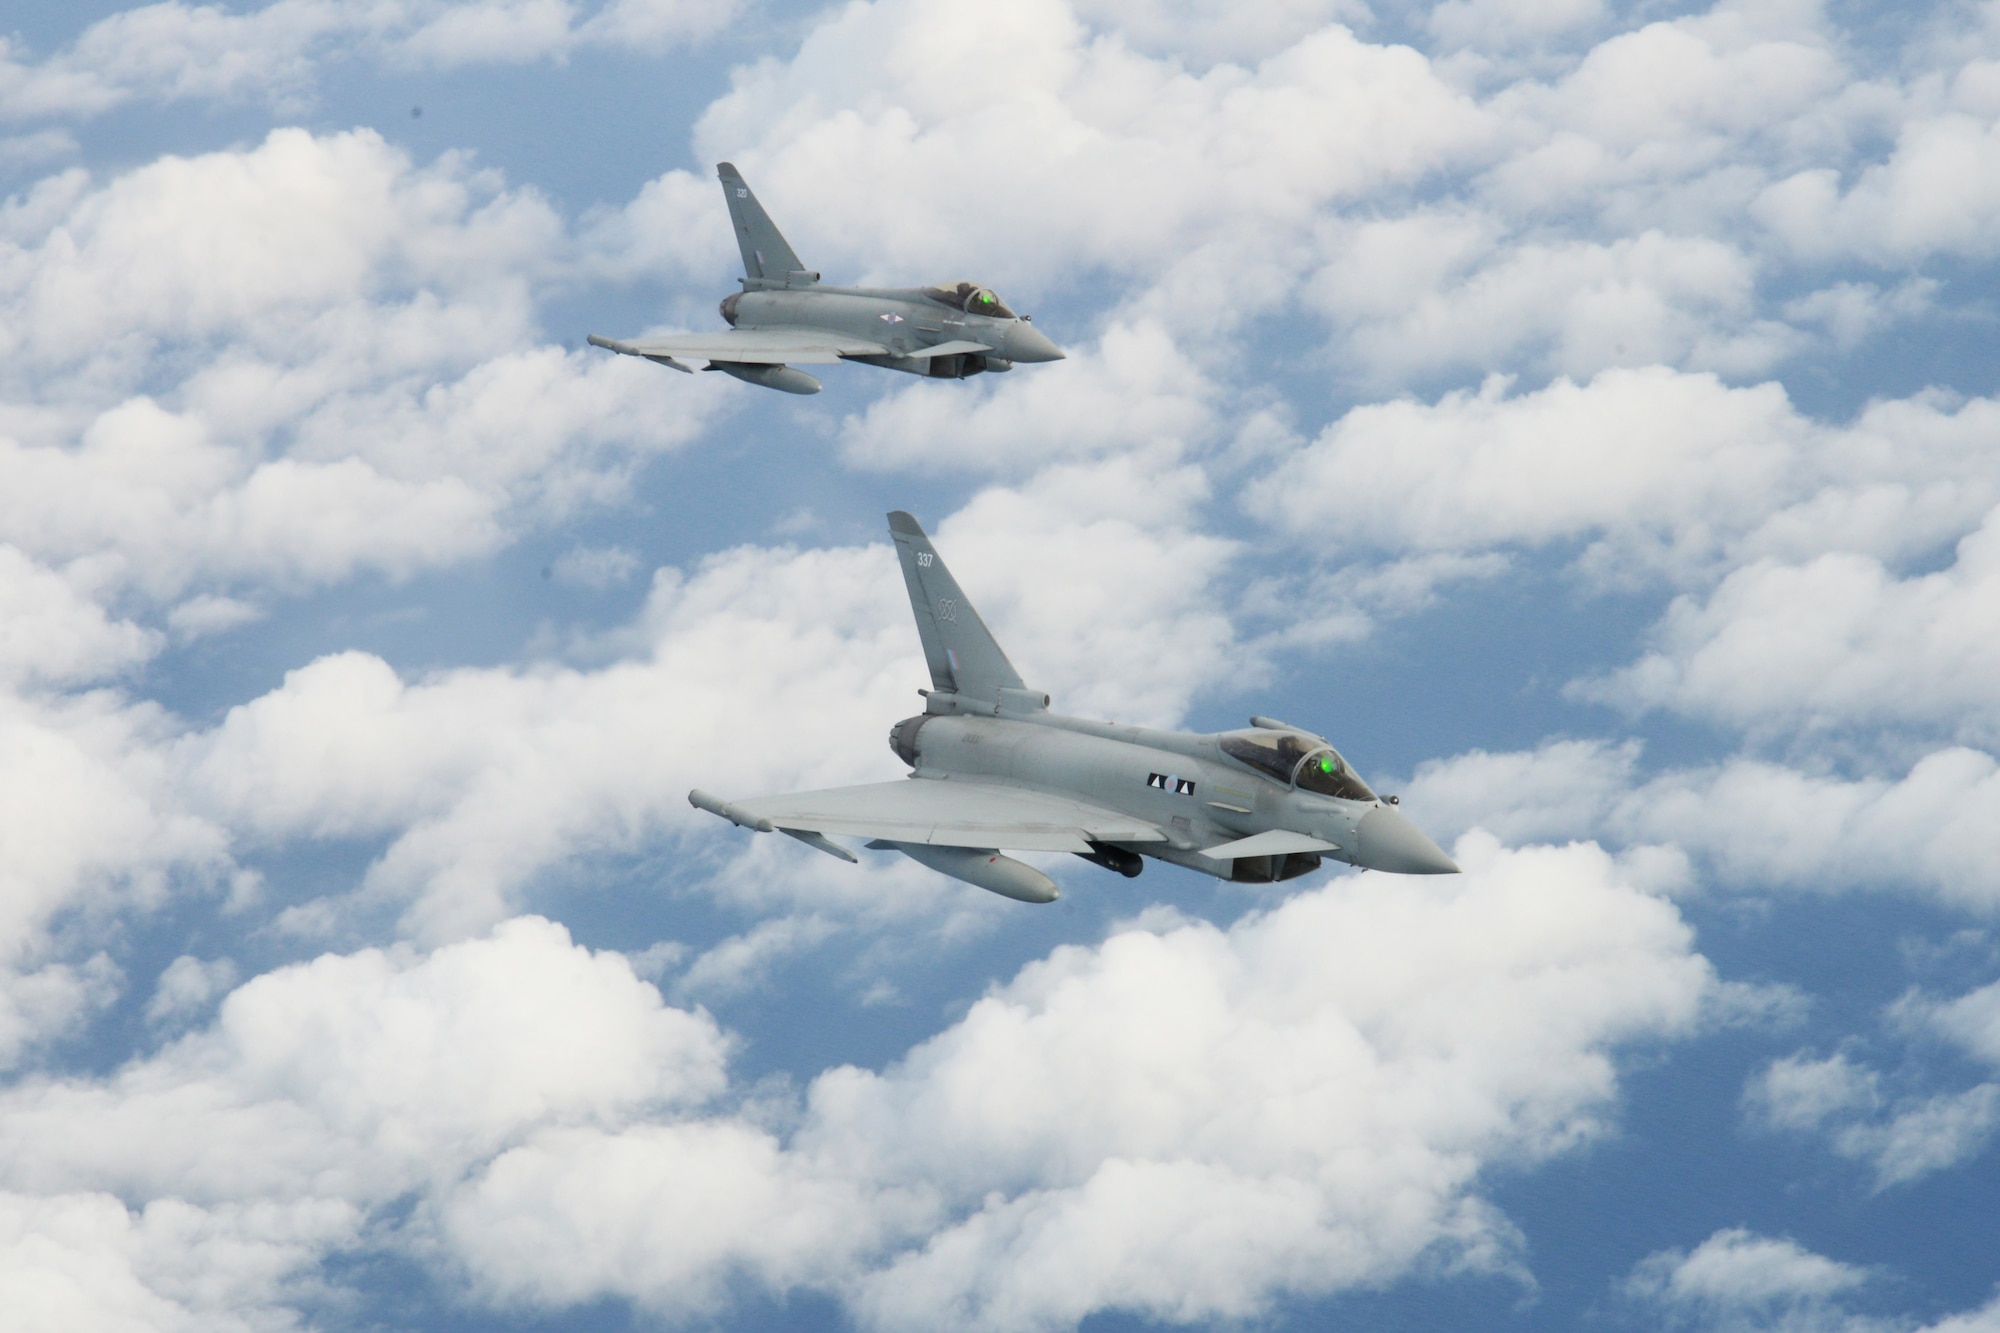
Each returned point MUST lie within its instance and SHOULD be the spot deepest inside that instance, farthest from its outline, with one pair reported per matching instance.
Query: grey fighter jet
(994, 771)
(786, 317)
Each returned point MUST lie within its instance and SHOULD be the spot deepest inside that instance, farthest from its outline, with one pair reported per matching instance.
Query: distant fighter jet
(785, 317)
(995, 770)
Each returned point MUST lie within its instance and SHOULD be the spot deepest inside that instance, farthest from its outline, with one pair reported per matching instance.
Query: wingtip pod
(735, 814)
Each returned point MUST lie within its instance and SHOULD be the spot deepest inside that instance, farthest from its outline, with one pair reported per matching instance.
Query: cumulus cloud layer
(1183, 1120)
(1755, 823)
(174, 51)
(1559, 256)
(1740, 1280)
(281, 365)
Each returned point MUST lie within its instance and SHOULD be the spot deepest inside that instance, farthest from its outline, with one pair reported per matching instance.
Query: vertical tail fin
(963, 656)
(766, 257)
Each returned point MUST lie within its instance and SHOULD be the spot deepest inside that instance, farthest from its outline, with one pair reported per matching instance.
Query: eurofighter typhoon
(993, 770)
(785, 317)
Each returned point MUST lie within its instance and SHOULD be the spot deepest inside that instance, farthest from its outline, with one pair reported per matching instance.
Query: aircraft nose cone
(1385, 840)
(1025, 342)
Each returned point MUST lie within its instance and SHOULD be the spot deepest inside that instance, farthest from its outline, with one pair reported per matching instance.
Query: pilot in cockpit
(971, 298)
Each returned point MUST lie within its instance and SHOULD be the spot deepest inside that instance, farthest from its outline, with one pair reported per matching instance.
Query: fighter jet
(993, 770)
(785, 317)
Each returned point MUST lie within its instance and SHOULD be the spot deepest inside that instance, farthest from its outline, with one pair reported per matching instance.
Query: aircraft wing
(952, 813)
(770, 347)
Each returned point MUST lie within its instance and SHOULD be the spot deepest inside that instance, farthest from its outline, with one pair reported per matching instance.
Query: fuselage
(904, 320)
(1183, 783)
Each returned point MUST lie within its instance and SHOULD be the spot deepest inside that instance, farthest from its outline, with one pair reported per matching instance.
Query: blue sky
(1584, 413)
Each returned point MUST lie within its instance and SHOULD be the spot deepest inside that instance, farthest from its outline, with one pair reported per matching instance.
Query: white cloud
(1835, 642)
(188, 986)
(1791, 535)
(506, 32)
(566, 1136)
(1924, 1136)
(1499, 24)
(353, 380)
(1651, 463)
(1102, 587)
(1903, 1139)
(174, 51)
(1971, 1021)
(1907, 1137)
(1800, 1093)
(1594, 217)
(323, 1091)
(1134, 392)
(1740, 1280)
(207, 613)
(595, 567)
(90, 824)
(1757, 825)
(1659, 472)
(1205, 31)
(761, 670)
(363, 1076)
(50, 635)
(1737, 1279)
(1573, 307)
(654, 25)
(936, 134)
(741, 961)
(1189, 1174)
(1938, 193)
(84, 1263)
(765, 670)
(351, 371)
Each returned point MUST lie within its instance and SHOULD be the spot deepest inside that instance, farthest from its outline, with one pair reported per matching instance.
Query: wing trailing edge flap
(951, 814)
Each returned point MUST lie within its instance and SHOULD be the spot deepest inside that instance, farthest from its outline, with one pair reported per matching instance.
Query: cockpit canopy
(972, 299)
(1299, 760)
